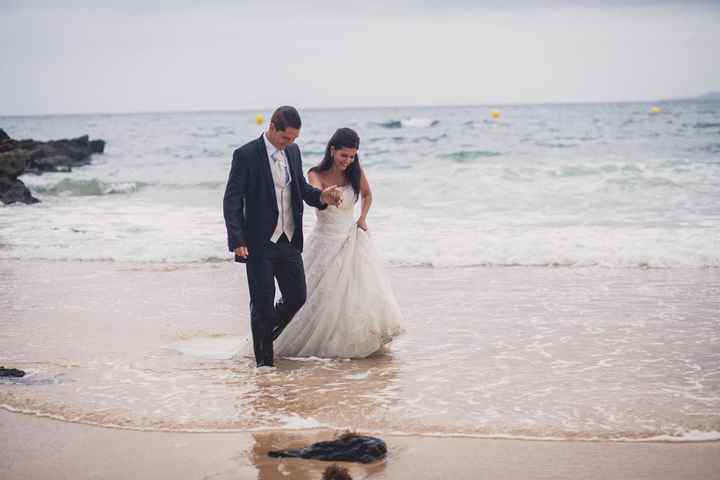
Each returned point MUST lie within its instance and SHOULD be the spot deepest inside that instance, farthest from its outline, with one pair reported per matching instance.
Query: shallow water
(499, 352)
(557, 268)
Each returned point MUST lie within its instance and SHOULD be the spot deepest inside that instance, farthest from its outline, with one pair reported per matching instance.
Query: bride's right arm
(366, 201)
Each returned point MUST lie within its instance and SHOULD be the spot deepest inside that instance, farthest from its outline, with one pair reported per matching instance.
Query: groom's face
(282, 138)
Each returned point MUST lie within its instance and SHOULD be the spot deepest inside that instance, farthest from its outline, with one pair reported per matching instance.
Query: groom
(263, 208)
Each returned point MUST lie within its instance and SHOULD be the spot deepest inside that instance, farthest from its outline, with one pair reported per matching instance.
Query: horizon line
(356, 107)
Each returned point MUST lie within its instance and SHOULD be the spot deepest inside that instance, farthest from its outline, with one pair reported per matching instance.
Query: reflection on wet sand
(314, 393)
(310, 393)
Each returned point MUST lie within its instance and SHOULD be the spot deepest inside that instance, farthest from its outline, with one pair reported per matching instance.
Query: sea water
(557, 269)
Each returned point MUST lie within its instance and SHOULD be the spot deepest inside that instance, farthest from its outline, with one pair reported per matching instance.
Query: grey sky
(180, 55)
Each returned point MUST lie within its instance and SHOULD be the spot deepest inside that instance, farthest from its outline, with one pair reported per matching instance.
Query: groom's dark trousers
(281, 261)
(251, 215)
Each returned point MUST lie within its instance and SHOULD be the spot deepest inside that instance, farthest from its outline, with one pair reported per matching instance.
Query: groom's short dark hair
(284, 117)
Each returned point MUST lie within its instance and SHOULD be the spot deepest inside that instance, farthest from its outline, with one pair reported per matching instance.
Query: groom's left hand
(331, 196)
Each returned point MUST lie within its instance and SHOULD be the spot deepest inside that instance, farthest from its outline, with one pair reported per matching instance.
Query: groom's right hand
(241, 252)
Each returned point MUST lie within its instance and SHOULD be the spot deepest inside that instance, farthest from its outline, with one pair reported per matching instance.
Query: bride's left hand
(362, 224)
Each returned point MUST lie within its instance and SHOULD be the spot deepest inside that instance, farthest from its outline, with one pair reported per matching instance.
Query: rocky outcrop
(30, 156)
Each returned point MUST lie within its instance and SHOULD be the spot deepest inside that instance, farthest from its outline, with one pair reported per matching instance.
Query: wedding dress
(351, 310)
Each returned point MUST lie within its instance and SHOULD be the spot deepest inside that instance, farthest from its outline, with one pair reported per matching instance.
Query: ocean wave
(391, 124)
(402, 262)
(422, 139)
(556, 144)
(419, 122)
(92, 187)
(707, 125)
(313, 153)
(428, 139)
(96, 187)
(201, 185)
(580, 264)
(299, 423)
(412, 122)
(690, 436)
(407, 139)
(710, 148)
(465, 262)
(582, 170)
(467, 155)
(640, 183)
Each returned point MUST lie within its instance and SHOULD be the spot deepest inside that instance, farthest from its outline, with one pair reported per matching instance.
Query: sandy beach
(37, 448)
(132, 371)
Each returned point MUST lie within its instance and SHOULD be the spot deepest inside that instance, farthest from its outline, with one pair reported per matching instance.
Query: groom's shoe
(265, 360)
(268, 357)
(268, 362)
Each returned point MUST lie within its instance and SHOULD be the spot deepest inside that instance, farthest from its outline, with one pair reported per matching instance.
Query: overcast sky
(128, 56)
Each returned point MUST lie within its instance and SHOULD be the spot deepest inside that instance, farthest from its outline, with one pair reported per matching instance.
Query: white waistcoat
(281, 178)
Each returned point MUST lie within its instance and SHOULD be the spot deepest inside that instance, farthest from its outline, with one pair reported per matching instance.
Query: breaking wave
(413, 122)
(92, 187)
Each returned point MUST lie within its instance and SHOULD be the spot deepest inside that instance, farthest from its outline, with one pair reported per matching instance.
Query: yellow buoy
(655, 110)
(495, 114)
(259, 119)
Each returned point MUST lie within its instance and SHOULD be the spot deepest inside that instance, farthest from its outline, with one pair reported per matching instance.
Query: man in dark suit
(263, 208)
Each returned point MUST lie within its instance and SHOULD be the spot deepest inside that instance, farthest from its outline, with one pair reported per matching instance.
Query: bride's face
(343, 157)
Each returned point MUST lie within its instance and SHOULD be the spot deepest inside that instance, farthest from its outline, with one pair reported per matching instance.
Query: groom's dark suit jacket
(250, 205)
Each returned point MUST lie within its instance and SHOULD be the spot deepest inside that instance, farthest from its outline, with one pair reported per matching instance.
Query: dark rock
(27, 143)
(97, 146)
(7, 145)
(30, 156)
(14, 190)
(11, 372)
(13, 164)
(53, 163)
(347, 448)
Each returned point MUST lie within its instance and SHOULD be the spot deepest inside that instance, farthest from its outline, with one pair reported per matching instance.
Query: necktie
(281, 166)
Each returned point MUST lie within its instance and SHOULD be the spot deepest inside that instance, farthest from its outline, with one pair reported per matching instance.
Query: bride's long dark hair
(343, 138)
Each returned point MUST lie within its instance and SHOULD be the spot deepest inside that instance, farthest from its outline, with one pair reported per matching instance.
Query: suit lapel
(291, 166)
(295, 184)
(265, 168)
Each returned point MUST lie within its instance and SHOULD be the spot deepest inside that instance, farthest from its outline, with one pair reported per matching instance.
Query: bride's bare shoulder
(315, 178)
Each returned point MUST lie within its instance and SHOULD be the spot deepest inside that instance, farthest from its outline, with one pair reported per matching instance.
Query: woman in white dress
(351, 310)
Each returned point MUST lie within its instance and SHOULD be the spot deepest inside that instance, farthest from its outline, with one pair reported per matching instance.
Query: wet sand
(37, 448)
(539, 353)
(512, 352)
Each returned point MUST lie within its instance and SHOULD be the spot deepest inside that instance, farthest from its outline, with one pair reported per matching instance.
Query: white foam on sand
(215, 348)
(295, 422)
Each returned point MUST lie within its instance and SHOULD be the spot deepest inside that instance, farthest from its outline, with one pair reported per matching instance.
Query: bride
(350, 310)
